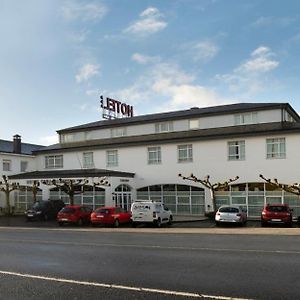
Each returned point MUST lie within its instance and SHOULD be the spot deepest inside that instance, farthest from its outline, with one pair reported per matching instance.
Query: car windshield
(103, 211)
(68, 210)
(277, 208)
(229, 210)
(38, 205)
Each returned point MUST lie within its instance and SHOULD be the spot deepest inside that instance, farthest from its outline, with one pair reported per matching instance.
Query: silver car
(231, 214)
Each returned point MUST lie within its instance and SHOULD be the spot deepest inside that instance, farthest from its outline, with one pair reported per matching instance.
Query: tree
(35, 189)
(292, 188)
(7, 187)
(74, 186)
(211, 186)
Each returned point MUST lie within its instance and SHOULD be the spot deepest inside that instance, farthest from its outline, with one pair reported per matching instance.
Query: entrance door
(122, 196)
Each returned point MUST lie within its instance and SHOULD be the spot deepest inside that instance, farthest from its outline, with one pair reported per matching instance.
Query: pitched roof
(181, 114)
(27, 149)
(178, 136)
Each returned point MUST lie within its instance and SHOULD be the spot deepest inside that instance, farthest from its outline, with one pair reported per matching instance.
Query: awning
(77, 173)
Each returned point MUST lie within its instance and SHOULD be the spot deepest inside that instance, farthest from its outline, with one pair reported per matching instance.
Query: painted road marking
(119, 287)
(101, 245)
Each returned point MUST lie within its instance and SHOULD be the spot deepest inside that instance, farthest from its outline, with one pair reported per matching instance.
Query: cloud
(204, 51)
(261, 61)
(144, 59)
(168, 83)
(272, 21)
(49, 140)
(80, 10)
(150, 21)
(86, 72)
(250, 76)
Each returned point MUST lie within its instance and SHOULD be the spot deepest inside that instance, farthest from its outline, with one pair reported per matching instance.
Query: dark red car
(110, 215)
(276, 214)
(74, 214)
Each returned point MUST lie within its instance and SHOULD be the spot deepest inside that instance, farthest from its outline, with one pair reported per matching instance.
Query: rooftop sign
(113, 109)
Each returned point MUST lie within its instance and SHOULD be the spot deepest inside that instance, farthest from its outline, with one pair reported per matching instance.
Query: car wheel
(80, 222)
(170, 220)
(158, 223)
(116, 223)
(46, 217)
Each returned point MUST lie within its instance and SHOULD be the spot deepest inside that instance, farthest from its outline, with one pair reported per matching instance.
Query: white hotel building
(143, 155)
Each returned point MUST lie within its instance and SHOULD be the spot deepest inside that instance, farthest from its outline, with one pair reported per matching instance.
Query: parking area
(20, 221)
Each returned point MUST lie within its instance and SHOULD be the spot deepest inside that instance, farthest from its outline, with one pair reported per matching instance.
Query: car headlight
(38, 212)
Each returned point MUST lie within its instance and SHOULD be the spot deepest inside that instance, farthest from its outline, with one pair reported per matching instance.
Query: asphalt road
(74, 264)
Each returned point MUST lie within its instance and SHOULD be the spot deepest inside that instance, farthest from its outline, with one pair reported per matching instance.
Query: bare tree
(35, 189)
(292, 188)
(7, 187)
(213, 187)
(74, 186)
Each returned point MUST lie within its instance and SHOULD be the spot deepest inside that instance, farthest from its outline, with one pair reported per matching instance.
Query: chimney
(17, 144)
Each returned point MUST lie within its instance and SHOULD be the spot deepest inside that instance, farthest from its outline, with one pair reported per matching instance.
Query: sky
(57, 57)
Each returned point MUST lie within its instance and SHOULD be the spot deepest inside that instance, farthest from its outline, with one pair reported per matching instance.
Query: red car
(110, 216)
(276, 214)
(74, 214)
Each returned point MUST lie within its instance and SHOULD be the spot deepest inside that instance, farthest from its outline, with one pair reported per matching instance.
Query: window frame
(188, 150)
(239, 119)
(22, 163)
(58, 161)
(157, 159)
(158, 127)
(7, 162)
(118, 132)
(85, 163)
(194, 121)
(241, 146)
(112, 153)
(276, 142)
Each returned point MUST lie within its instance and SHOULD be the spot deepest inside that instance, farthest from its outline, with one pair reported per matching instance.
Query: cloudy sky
(57, 57)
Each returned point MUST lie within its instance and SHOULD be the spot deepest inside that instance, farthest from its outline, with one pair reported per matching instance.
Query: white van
(150, 212)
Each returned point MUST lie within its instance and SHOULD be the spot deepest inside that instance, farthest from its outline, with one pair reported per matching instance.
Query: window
(88, 160)
(185, 153)
(276, 148)
(236, 150)
(194, 124)
(163, 127)
(247, 118)
(24, 166)
(154, 155)
(112, 158)
(117, 132)
(6, 165)
(53, 161)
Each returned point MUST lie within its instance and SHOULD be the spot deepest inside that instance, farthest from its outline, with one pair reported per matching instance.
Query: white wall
(16, 163)
(182, 125)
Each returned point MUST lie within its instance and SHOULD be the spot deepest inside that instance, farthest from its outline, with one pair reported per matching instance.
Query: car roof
(236, 206)
(74, 206)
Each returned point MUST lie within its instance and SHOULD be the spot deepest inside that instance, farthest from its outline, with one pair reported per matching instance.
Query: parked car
(231, 214)
(110, 215)
(276, 214)
(150, 212)
(44, 210)
(74, 214)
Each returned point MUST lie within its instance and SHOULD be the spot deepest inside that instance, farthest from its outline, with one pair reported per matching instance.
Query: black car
(44, 210)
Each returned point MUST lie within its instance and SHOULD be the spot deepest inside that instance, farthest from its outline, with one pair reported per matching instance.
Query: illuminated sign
(115, 109)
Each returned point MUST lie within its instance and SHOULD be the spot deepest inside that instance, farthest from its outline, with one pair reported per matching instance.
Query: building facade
(16, 158)
(143, 155)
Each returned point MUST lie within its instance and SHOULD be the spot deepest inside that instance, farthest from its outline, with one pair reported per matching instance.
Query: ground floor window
(181, 199)
(24, 198)
(253, 197)
(92, 196)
